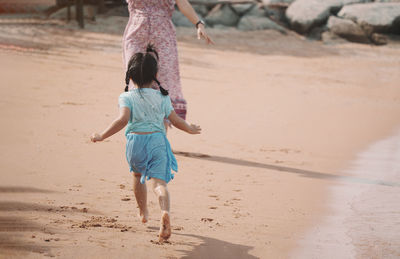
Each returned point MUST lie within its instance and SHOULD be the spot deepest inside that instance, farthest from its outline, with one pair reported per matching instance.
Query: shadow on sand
(17, 233)
(12, 236)
(213, 248)
(301, 172)
(23, 189)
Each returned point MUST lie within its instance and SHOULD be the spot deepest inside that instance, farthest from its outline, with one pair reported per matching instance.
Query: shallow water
(364, 209)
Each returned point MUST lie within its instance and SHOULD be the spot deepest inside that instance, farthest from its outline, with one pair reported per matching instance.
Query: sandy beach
(284, 121)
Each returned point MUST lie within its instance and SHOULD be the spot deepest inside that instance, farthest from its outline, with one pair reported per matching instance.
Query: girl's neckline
(140, 89)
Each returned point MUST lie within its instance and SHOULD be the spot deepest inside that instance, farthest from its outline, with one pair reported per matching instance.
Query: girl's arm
(181, 124)
(117, 125)
(186, 8)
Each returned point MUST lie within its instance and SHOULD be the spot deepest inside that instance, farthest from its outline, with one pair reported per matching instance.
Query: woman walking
(150, 22)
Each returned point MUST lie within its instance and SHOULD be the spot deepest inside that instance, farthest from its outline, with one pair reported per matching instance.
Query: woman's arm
(186, 8)
(117, 125)
(181, 124)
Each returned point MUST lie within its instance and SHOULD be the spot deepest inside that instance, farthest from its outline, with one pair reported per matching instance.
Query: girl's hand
(194, 129)
(96, 137)
(201, 33)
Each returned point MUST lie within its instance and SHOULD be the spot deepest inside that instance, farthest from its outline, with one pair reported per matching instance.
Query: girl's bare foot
(144, 216)
(165, 227)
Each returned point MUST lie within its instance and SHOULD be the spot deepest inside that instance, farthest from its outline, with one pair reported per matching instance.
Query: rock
(252, 23)
(276, 14)
(257, 10)
(379, 17)
(241, 9)
(303, 15)
(347, 29)
(222, 15)
(89, 12)
(180, 20)
(200, 9)
(379, 39)
(330, 38)
(274, 2)
(316, 33)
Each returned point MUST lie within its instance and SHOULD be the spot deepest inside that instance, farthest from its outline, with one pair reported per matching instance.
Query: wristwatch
(197, 24)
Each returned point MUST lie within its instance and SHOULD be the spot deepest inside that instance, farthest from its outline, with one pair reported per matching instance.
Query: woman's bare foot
(144, 216)
(165, 227)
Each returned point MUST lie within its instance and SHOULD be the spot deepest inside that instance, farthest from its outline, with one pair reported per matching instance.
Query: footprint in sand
(72, 103)
(282, 150)
(214, 196)
(106, 222)
(207, 219)
(164, 242)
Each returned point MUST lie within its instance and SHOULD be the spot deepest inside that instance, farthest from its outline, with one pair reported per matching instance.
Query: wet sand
(363, 220)
(283, 117)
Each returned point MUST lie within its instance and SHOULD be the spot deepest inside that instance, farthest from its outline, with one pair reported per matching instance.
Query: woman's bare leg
(140, 192)
(161, 191)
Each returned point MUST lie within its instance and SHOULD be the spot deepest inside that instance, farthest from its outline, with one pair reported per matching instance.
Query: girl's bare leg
(161, 191)
(140, 192)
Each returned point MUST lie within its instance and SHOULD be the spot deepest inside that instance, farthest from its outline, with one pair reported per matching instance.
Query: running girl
(148, 151)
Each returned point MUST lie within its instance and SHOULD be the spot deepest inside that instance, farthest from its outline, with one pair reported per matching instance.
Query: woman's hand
(201, 33)
(194, 129)
(186, 8)
(96, 137)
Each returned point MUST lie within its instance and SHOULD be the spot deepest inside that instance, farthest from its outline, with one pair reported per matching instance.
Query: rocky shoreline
(362, 21)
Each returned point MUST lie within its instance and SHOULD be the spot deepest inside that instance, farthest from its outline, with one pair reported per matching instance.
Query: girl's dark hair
(143, 68)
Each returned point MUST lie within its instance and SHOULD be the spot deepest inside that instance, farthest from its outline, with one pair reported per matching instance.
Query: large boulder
(222, 15)
(374, 17)
(180, 20)
(347, 29)
(200, 9)
(277, 2)
(257, 10)
(252, 23)
(241, 9)
(303, 15)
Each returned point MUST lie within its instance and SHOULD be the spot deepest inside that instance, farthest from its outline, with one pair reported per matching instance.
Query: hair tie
(150, 48)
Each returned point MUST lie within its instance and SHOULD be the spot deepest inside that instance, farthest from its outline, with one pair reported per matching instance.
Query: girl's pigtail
(127, 77)
(162, 90)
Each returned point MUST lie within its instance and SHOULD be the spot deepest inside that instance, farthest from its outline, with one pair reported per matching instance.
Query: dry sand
(282, 118)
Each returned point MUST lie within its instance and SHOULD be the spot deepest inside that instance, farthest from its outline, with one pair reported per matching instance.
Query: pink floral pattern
(150, 22)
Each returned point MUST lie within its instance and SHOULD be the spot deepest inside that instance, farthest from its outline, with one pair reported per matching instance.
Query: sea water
(364, 209)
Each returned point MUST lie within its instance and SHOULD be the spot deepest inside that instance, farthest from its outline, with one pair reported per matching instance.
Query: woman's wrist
(199, 23)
